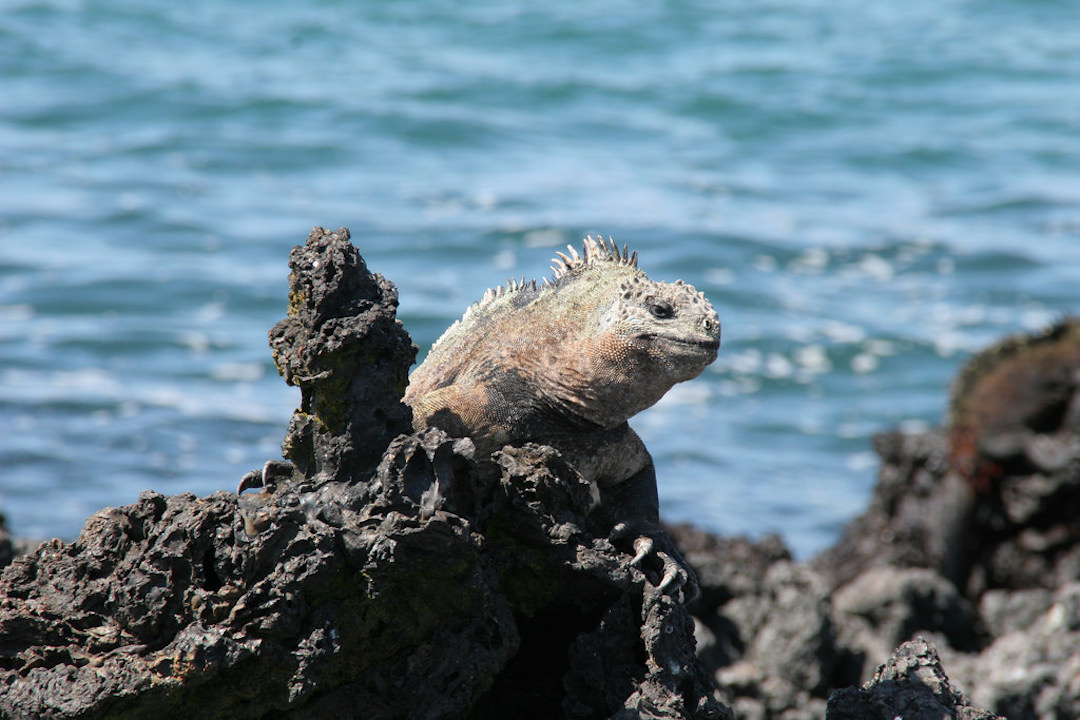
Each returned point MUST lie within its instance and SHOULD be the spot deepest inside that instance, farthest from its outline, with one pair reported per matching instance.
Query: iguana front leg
(622, 468)
(615, 459)
(635, 506)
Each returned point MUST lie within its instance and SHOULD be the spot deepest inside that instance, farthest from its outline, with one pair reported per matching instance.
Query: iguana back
(582, 352)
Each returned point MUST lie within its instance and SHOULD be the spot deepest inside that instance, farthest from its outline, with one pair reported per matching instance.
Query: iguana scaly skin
(565, 363)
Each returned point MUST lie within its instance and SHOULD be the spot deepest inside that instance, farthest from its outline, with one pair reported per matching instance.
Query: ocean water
(867, 192)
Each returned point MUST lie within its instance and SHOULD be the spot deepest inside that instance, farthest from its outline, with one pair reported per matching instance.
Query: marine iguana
(566, 363)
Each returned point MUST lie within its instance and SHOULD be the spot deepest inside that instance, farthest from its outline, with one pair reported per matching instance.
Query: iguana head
(646, 335)
(672, 323)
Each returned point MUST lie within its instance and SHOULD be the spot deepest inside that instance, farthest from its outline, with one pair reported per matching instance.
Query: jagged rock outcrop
(990, 500)
(390, 576)
(344, 347)
(910, 684)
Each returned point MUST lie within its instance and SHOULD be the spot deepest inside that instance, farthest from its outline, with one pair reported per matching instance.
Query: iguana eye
(661, 309)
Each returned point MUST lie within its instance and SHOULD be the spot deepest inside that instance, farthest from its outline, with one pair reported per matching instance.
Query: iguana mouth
(707, 344)
(713, 345)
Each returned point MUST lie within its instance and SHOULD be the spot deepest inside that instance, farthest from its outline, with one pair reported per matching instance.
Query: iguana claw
(676, 575)
(272, 472)
(642, 546)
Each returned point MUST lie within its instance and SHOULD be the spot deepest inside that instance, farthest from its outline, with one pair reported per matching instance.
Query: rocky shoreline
(386, 574)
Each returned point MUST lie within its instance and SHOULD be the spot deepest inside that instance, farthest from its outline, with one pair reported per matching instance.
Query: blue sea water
(868, 193)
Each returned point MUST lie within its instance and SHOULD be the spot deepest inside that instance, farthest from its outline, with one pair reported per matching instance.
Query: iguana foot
(652, 542)
(272, 472)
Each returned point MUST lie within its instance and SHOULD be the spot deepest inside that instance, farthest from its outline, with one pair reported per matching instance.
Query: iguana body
(565, 363)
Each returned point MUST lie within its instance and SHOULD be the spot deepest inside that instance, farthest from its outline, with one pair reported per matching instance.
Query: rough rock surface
(971, 540)
(913, 514)
(1032, 667)
(341, 326)
(390, 575)
(910, 684)
(990, 500)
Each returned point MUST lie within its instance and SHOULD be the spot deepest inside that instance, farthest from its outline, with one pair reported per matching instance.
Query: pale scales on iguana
(566, 362)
